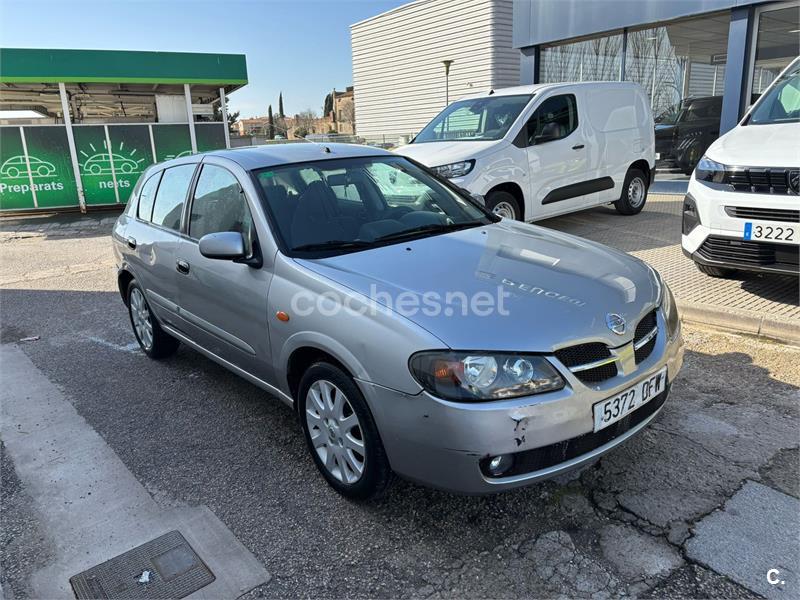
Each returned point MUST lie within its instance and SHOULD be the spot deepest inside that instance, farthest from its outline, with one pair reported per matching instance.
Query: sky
(300, 47)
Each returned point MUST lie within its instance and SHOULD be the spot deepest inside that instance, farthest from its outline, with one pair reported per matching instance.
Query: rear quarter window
(144, 204)
(171, 196)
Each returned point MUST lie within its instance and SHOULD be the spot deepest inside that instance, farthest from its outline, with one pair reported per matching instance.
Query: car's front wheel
(341, 433)
(154, 341)
(503, 205)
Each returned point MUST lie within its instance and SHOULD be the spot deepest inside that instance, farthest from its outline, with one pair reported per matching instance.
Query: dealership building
(722, 52)
(102, 117)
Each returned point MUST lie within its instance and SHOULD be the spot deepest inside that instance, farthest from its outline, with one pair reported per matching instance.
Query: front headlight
(477, 376)
(456, 169)
(710, 170)
(670, 310)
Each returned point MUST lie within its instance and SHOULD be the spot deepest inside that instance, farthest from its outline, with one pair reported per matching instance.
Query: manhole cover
(165, 567)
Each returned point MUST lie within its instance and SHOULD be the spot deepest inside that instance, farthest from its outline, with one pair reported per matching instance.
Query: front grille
(588, 353)
(645, 326)
(748, 253)
(760, 180)
(548, 456)
(763, 214)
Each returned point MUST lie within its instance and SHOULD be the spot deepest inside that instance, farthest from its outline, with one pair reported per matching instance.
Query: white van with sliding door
(538, 151)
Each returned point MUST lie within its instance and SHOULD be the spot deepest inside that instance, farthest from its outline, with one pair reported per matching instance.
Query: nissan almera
(414, 332)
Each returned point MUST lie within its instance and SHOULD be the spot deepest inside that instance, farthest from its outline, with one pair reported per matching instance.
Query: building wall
(398, 73)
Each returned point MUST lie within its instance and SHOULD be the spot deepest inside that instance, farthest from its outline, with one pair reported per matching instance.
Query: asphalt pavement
(656, 518)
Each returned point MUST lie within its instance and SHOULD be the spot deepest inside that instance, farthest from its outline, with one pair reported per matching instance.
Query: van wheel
(719, 272)
(341, 433)
(154, 341)
(634, 193)
(503, 205)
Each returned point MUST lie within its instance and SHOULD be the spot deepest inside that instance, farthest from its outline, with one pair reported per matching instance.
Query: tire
(634, 193)
(328, 400)
(504, 204)
(154, 341)
(719, 272)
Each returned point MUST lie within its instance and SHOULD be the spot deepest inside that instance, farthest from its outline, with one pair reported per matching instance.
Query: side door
(154, 237)
(556, 147)
(224, 302)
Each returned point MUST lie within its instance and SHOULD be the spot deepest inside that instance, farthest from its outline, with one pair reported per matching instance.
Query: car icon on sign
(100, 164)
(16, 167)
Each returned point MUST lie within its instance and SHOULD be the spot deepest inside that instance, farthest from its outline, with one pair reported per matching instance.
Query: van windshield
(475, 119)
(781, 104)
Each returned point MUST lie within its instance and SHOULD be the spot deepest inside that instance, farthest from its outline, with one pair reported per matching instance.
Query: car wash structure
(105, 116)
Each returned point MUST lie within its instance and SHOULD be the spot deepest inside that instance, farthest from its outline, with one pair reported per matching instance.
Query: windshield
(476, 119)
(345, 205)
(781, 103)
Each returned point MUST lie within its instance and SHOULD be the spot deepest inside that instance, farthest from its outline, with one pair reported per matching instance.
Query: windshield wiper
(333, 245)
(430, 228)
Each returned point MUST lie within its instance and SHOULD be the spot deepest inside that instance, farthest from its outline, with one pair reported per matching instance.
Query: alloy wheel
(142, 322)
(335, 431)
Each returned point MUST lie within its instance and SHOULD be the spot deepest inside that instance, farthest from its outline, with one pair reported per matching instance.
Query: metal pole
(187, 92)
(62, 90)
(111, 163)
(447, 64)
(655, 70)
(223, 105)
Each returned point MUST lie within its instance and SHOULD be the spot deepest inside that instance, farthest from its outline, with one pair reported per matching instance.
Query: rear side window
(146, 197)
(219, 205)
(557, 113)
(171, 196)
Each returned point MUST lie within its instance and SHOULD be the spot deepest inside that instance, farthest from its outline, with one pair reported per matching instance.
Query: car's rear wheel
(719, 272)
(154, 341)
(341, 433)
(503, 205)
(634, 193)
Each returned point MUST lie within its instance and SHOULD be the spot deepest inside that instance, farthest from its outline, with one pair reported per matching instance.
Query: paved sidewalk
(767, 306)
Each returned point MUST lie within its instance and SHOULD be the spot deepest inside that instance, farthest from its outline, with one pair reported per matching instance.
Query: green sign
(96, 175)
(172, 140)
(43, 178)
(210, 136)
(15, 183)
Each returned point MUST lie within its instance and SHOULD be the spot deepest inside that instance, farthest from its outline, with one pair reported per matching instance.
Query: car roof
(273, 155)
(519, 90)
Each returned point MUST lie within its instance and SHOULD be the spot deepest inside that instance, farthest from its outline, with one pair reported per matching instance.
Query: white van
(537, 151)
(741, 212)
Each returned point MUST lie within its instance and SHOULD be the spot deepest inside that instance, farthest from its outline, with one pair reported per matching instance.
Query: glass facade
(597, 59)
(777, 44)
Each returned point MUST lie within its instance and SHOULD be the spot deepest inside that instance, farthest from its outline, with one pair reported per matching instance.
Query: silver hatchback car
(413, 331)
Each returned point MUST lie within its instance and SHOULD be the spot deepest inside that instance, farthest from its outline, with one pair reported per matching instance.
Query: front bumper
(717, 240)
(441, 444)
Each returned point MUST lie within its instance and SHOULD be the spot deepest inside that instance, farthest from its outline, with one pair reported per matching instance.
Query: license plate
(608, 412)
(784, 233)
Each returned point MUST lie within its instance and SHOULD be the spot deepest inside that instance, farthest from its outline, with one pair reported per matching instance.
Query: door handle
(577, 147)
(182, 266)
(131, 242)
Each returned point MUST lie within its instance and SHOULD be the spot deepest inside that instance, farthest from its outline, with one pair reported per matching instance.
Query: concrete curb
(785, 331)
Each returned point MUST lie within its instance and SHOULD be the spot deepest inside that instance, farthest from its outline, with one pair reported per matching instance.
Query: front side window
(781, 103)
(554, 119)
(474, 119)
(146, 197)
(171, 196)
(357, 203)
(220, 205)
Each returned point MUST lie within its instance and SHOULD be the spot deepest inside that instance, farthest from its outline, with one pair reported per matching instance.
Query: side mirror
(550, 132)
(223, 245)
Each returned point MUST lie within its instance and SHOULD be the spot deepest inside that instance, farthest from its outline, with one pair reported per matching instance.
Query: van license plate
(783, 233)
(608, 412)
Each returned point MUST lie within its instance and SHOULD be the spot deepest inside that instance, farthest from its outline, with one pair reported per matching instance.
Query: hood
(435, 154)
(758, 146)
(548, 289)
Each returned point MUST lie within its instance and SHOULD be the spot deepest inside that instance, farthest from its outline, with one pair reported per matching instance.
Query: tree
(305, 122)
(327, 107)
(270, 124)
(281, 114)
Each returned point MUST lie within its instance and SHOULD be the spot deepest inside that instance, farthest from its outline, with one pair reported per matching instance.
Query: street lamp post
(447, 64)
